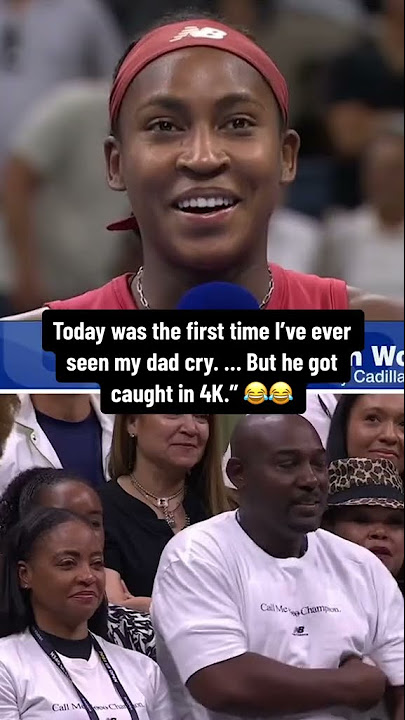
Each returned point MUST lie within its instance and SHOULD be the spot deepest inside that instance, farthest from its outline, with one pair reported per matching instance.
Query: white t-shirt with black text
(33, 688)
(217, 595)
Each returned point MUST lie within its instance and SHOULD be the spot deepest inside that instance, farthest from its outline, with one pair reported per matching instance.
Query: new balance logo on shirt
(195, 32)
(300, 631)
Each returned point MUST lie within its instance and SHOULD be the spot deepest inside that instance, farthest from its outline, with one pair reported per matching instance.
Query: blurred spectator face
(379, 529)
(395, 7)
(77, 498)
(170, 441)
(376, 428)
(383, 173)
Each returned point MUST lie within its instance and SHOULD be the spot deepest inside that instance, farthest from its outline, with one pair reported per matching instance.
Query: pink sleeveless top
(292, 291)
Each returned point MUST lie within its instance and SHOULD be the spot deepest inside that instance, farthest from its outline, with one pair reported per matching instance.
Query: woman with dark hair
(55, 488)
(366, 506)
(200, 142)
(368, 426)
(165, 475)
(53, 655)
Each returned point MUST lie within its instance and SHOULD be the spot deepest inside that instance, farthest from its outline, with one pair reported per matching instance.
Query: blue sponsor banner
(380, 366)
(23, 363)
(25, 366)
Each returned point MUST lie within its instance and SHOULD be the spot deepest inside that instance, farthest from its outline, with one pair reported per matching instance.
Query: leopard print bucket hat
(361, 481)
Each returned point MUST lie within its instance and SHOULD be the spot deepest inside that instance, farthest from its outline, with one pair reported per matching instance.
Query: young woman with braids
(200, 142)
(52, 488)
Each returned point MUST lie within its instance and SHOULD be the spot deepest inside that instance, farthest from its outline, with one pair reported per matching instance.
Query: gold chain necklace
(162, 503)
(139, 288)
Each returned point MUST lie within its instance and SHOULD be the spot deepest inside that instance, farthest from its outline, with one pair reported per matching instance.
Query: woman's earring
(131, 435)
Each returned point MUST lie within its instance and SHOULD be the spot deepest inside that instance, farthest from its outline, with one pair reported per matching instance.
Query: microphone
(218, 296)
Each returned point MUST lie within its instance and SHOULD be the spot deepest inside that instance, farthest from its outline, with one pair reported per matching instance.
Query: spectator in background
(373, 5)
(136, 17)
(367, 244)
(165, 475)
(365, 86)
(295, 240)
(8, 407)
(42, 44)
(56, 202)
(368, 426)
(63, 430)
(302, 37)
(366, 506)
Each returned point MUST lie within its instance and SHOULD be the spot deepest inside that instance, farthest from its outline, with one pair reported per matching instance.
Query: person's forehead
(387, 403)
(286, 434)
(186, 71)
(378, 511)
(72, 535)
(69, 490)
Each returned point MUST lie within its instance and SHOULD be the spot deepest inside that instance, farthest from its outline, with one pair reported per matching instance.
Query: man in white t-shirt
(366, 245)
(259, 613)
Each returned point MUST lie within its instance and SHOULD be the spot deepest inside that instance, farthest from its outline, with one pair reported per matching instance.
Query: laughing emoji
(255, 393)
(280, 393)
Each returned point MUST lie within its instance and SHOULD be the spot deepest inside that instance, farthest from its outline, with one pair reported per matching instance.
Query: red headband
(193, 33)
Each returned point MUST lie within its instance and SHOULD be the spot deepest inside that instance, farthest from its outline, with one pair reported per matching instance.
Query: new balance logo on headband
(195, 32)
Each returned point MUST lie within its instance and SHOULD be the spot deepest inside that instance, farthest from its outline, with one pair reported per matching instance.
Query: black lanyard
(53, 655)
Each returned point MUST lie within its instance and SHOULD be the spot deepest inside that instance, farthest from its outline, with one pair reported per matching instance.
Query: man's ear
(234, 470)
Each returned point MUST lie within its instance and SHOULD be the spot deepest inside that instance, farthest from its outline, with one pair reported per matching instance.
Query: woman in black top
(166, 474)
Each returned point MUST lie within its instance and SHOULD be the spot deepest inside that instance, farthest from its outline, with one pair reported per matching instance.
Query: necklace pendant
(171, 521)
(163, 503)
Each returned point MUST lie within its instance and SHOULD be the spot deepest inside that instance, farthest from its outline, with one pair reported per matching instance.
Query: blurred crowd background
(344, 215)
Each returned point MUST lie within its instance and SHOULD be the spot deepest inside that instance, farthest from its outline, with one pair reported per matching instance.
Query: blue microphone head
(218, 296)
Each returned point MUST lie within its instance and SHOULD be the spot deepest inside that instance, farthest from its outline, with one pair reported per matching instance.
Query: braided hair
(23, 494)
